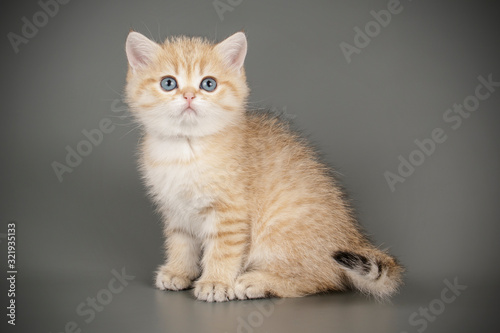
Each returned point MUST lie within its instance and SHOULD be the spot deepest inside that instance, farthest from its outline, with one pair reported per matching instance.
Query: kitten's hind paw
(168, 281)
(250, 285)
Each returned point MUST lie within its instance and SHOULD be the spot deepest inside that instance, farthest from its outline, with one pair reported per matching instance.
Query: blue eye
(168, 83)
(208, 84)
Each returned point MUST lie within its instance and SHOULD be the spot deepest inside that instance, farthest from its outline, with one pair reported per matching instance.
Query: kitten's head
(186, 86)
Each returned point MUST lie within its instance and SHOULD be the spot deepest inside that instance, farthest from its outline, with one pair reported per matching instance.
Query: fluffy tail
(372, 272)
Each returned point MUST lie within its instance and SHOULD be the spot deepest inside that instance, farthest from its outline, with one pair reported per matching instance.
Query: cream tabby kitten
(249, 210)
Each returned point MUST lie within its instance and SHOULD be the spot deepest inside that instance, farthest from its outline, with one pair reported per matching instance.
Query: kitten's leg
(182, 266)
(262, 284)
(222, 261)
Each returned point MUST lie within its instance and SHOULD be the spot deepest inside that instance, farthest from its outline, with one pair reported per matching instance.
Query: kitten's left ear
(140, 50)
(233, 50)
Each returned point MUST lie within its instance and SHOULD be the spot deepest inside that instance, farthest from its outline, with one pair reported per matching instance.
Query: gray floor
(77, 232)
(140, 308)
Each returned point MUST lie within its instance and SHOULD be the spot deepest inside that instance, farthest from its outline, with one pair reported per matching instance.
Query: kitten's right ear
(140, 50)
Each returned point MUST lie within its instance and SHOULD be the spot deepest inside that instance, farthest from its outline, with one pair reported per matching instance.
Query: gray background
(442, 222)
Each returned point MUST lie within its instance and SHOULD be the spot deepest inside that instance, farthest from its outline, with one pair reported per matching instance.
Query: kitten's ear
(233, 50)
(140, 50)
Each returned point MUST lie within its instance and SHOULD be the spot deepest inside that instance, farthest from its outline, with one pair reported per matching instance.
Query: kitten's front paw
(169, 281)
(213, 291)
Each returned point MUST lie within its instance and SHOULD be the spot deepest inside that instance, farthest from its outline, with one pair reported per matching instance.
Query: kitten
(249, 210)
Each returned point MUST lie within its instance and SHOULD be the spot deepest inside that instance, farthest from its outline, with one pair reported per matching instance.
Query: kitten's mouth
(189, 110)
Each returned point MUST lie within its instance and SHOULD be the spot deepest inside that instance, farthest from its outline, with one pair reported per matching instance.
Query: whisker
(124, 124)
(116, 92)
(159, 34)
(131, 130)
(122, 117)
(261, 101)
(150, 33)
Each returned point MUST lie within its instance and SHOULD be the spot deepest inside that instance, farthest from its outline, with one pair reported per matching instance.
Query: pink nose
(189, 96)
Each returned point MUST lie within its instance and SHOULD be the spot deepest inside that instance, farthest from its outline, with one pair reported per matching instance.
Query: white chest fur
(176, 177)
